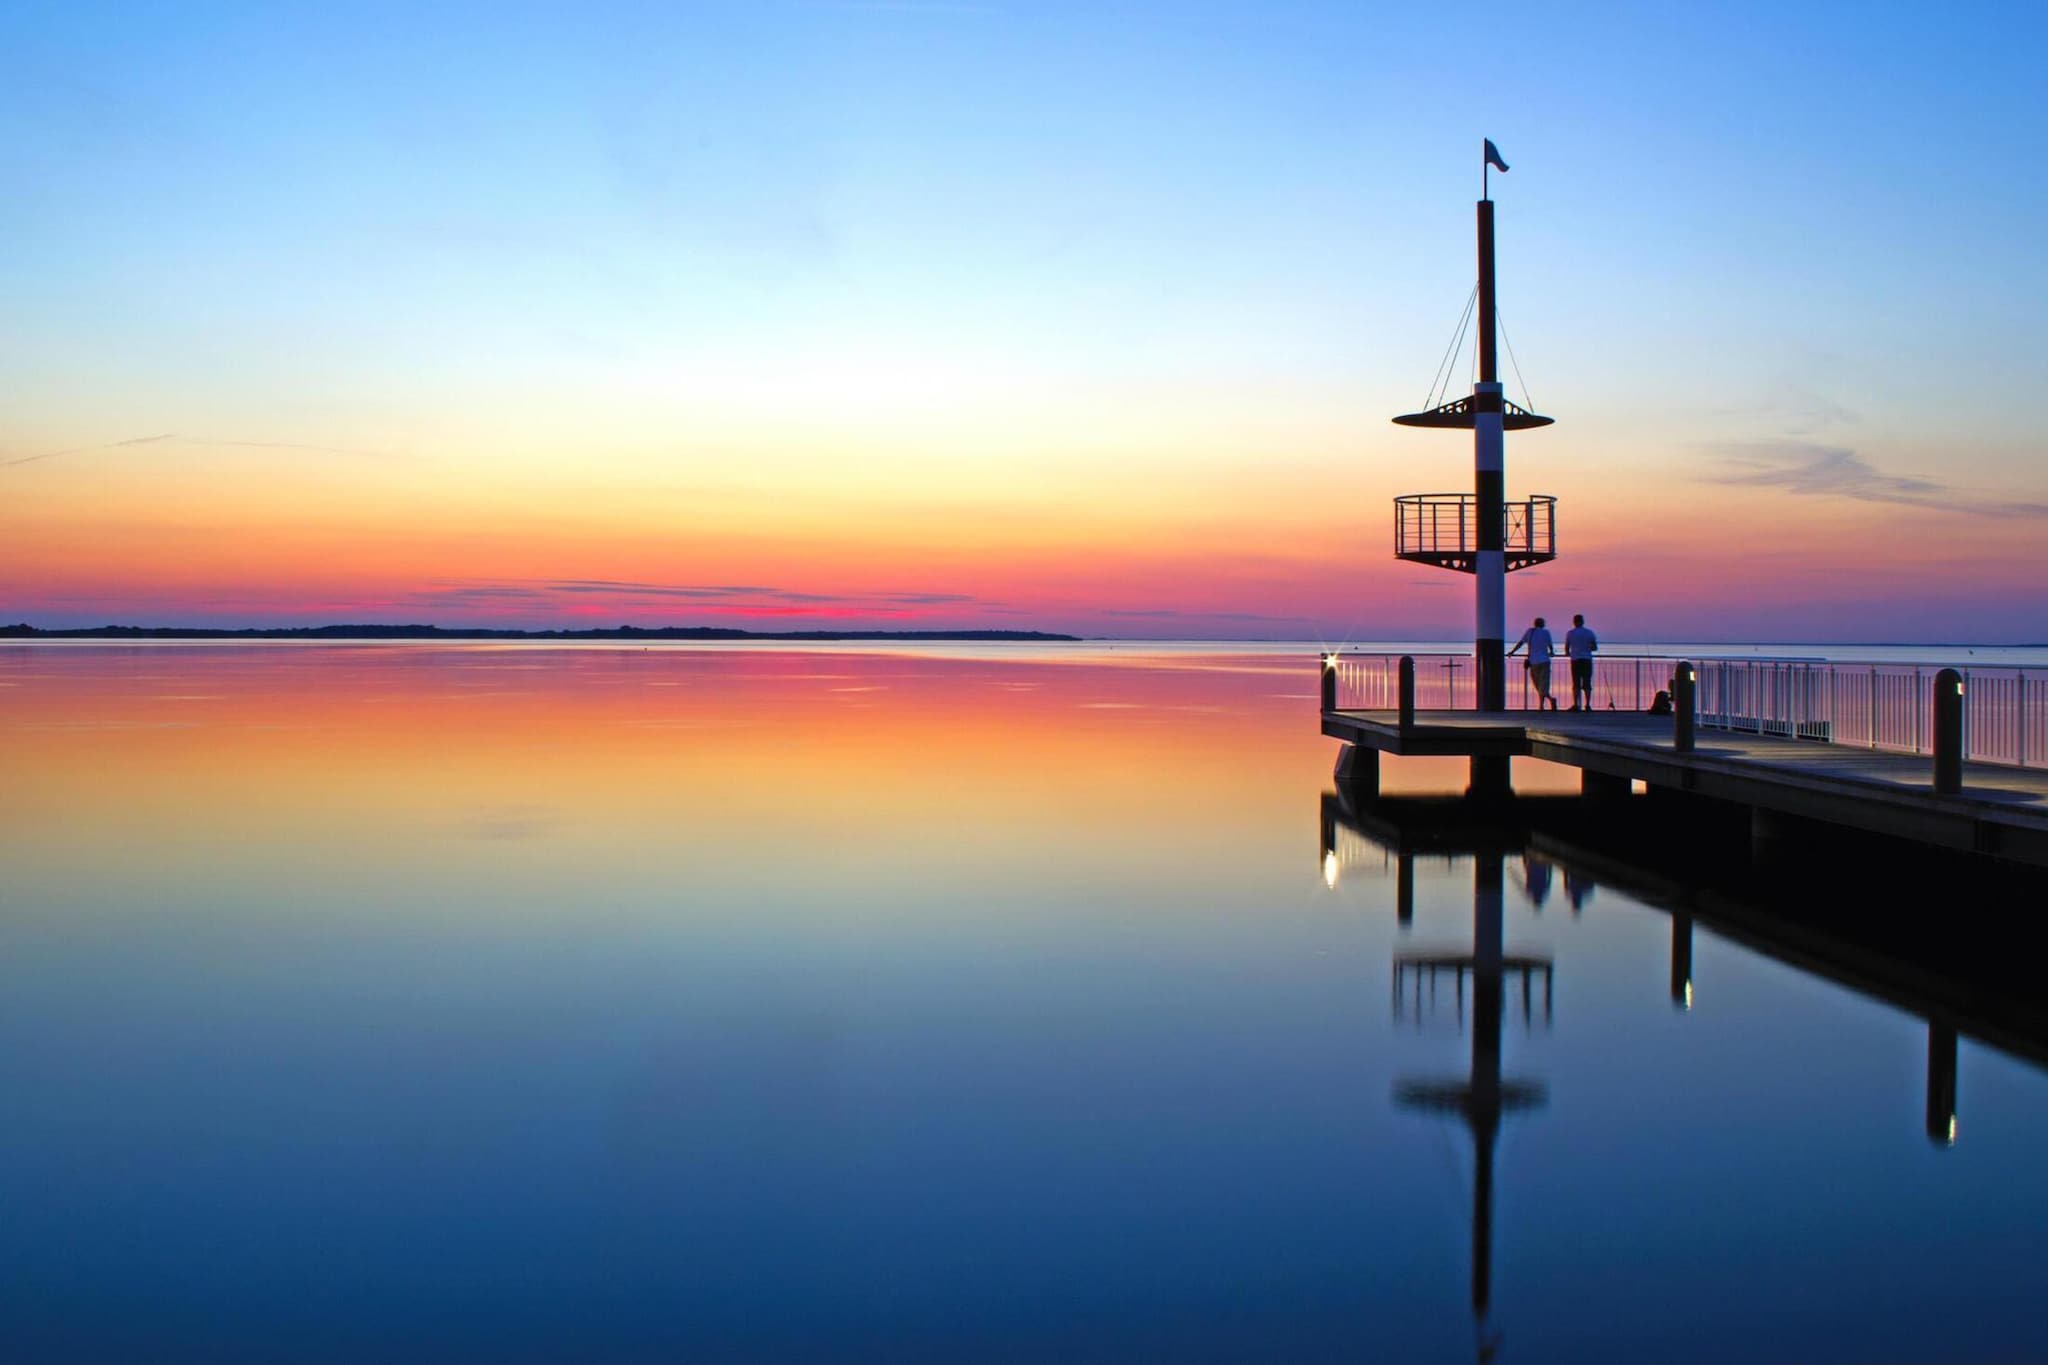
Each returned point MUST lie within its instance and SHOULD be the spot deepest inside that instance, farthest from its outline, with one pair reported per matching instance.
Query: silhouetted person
(1580, 644)
(1536, 879)
(1541, 647)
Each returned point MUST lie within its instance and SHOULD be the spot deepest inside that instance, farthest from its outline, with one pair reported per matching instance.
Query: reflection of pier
(1857, 927)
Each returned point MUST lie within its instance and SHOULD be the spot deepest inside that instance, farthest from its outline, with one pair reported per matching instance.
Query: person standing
(1541, 649)
(1580, 645)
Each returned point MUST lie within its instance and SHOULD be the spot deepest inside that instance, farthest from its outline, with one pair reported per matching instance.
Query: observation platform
(1442, 530)
(2001, 810)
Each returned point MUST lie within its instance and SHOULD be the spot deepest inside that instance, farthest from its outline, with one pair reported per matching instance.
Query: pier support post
(1685, 689)
(1602, 786)
(1941, 1084)
(1404, 890)
(1405, 694)
(1948, 732)
(1489, 779)
(1681, 960)
(1358, 770)
(1769, 833)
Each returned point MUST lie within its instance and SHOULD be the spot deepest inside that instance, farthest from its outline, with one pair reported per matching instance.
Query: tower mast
(1481, 533)
(1489, 567)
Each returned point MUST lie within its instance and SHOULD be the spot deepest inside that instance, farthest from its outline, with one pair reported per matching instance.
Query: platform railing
(1881, 706)
(1444, 682)
(1447, 524)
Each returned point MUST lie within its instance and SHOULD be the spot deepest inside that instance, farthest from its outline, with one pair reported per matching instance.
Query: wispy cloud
(81, 450)
(1792, 409)
(173, 438)
(1814, 470)
(708, 595)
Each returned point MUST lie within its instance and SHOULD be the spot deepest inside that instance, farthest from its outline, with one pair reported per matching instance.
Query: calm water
(512, 1003)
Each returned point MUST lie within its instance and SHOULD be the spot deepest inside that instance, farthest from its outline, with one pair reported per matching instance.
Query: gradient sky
(1088, 317)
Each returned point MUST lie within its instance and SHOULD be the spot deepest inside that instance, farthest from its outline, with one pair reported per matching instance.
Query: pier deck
(2001, 811)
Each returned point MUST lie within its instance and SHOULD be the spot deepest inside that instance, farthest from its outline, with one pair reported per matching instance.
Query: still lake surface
(513, 1003)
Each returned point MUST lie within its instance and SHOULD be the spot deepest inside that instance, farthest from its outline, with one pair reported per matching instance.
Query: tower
(1481, 533)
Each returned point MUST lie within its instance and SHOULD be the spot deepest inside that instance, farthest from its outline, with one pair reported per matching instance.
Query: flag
(1493, 156)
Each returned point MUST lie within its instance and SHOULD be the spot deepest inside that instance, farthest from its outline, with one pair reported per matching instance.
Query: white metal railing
(1444, 682)
(1446, 526)
(1865, 705)
(1879, 706)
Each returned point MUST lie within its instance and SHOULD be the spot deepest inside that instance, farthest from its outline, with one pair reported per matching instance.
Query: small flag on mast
(1493, 156)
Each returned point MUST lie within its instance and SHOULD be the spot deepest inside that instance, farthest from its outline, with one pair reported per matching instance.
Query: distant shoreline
(23, 631)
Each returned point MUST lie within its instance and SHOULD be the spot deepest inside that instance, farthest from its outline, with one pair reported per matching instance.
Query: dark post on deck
(1685, 689)
(1948, 732)
(1329, 682)
(1407, 691)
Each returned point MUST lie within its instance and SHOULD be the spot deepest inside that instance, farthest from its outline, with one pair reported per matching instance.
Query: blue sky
(1728, 228)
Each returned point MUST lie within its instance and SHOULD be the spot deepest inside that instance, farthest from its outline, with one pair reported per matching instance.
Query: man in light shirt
(1580, 645)
(1540, 646)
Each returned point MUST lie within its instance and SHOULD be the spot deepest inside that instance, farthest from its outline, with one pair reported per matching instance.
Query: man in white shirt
(1580, 645)
(1540, 646)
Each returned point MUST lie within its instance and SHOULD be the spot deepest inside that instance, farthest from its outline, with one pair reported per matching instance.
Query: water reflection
(1483, 1096)
(1587, 844)
(1964, 993)
(622, 1005)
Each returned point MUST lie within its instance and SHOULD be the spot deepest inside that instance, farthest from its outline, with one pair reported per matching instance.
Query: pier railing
(1444, 682)
(1879, 706)
(1883, 706)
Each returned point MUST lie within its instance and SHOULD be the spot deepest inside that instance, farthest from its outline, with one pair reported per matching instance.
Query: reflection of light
(1951, 1130)
(1330, 869)
(1688, 995)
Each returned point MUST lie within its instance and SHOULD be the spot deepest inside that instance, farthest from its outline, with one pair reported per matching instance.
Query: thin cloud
(174, 438)
(1794, 410)
(708, 595)
(1813, 470)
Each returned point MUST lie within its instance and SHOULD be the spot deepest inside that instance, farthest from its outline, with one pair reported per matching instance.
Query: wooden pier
(2000, 811)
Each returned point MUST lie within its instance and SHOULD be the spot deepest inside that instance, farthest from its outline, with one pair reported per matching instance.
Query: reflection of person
(1536, 878)
(1541, 647)
(1578, 889)
(1580, 644)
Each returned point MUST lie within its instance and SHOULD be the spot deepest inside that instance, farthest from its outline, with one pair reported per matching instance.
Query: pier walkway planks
(2001, 811)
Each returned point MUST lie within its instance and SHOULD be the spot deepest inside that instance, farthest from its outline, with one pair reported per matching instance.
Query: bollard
(1329, 682)
(1407, 693)
(1685, 689)
(1948, 732)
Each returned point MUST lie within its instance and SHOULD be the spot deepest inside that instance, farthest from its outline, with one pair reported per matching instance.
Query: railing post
(1407, 691)
(1329, 682)
(1948, 732)
(1685, 690)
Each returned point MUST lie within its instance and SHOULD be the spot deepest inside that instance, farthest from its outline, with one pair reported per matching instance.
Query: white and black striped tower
(1489, 447)
(1482, 533)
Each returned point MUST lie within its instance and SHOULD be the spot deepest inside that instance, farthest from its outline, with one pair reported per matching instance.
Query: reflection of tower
(1482, 1097)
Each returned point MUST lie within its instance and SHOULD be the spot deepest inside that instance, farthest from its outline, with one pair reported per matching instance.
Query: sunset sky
(1018, 313)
